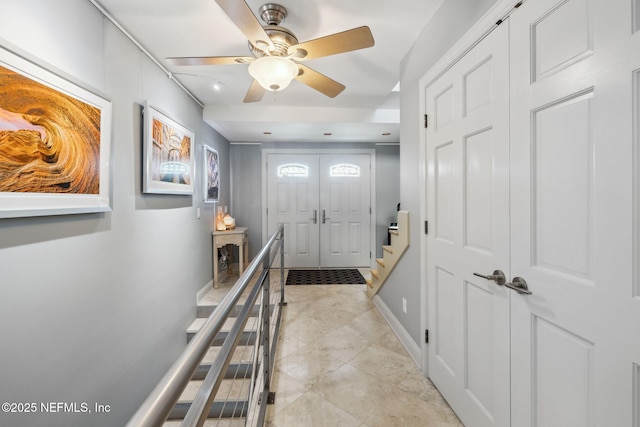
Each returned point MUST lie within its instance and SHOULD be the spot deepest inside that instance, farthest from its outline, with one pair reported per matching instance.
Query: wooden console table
(238, 237)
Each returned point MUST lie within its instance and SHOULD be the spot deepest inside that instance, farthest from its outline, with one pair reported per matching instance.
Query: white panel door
(293, 197)
(345, 217)
(468, 210)
(324, 202)
(575, 341)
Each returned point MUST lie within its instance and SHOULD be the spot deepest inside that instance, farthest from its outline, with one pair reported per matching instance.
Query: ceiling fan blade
(241, 15)
(346, 41)
(210, 60)
(319, 82)
(255, 92)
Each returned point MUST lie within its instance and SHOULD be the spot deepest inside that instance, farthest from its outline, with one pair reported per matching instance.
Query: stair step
(380, 262)
(394, 232)
(219, 409)
(369, 282)
(247, 338)
(198, 322)
(204, 311)
(388, 249)
(374, 273)
(242, 354)
(227, 422)
(234, 389)
(234, 370)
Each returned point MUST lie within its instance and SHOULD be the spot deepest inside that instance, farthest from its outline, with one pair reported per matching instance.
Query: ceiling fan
(277, 53)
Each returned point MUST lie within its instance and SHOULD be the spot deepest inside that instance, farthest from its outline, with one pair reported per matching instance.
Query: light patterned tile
(288, 389)
(386, 365)
(341, 364)
(309, 365)
(404, 410)
(341, 343)
(391, 342)
(310, 409)
(352, 390)
(422, 388)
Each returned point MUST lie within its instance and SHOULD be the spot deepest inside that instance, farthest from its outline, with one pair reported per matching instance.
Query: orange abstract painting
(49, 141)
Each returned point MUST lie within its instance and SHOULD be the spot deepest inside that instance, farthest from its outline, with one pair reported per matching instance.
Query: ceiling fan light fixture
(274, 73)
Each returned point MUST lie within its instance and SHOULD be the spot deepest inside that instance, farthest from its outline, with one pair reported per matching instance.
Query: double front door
(324, 202)
(532, 172)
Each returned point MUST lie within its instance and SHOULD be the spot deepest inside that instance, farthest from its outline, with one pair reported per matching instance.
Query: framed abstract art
(55, 142)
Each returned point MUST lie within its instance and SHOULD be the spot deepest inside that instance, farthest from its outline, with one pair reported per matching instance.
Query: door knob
(497, 276)
(519, 285)
(315, 216)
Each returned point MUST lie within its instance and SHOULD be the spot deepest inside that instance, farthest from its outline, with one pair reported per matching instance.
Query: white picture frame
(168, 154)
(55, 141)
(211, 175)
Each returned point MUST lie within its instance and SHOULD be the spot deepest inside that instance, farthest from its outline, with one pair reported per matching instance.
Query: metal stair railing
(160, 402)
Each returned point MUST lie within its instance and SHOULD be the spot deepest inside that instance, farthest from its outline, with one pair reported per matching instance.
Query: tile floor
(338, 363)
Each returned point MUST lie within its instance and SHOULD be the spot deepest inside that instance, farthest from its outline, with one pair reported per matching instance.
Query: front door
(292, 199)
(345, 217)
(324, 202)
(468, 205)
(575, 67)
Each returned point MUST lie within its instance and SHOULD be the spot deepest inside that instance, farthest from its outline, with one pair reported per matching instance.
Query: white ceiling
(366, 109)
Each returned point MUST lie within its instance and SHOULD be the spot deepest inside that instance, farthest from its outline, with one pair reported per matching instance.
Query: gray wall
(387, 192)
(94, 307)
(246, 177)
(449, 23)
(246, 200)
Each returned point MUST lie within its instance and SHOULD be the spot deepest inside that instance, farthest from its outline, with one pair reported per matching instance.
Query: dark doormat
(325, 277)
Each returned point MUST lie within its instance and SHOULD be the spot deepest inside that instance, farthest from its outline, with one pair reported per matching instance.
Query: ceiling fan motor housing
(273, 14)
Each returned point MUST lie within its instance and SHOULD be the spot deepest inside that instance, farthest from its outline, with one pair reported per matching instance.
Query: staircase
(232, 400)
(391, 254)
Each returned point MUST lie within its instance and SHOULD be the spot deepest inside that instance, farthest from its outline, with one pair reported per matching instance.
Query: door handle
(324, 216)
(497, 276)
(315, 216)
(519, 285)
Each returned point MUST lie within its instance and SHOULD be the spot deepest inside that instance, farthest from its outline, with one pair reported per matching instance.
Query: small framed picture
(211, 173)
(168, 161)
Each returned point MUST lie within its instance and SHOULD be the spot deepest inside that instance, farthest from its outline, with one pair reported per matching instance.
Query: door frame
(346, 151)
(500, 10)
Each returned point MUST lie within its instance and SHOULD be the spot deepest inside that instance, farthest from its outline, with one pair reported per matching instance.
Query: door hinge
(426, 227)
(369, 254)
(426, 336)
(426, 121)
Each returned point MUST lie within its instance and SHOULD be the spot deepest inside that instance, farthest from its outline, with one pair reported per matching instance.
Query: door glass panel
(344, 170)
(293, 170)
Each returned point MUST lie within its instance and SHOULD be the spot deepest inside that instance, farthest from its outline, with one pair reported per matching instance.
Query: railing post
(266, 338)
(282, 302)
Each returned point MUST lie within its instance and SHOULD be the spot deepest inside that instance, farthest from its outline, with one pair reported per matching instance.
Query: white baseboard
(409, 344)
(204, 291)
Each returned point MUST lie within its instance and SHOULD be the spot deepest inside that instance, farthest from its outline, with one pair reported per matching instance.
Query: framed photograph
(55, 142)
(168, 161)
(211, 172)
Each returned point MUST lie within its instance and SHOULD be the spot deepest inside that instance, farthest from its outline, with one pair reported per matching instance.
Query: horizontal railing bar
(155, 409)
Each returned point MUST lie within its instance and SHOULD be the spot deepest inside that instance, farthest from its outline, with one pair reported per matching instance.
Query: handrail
(157, 407)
